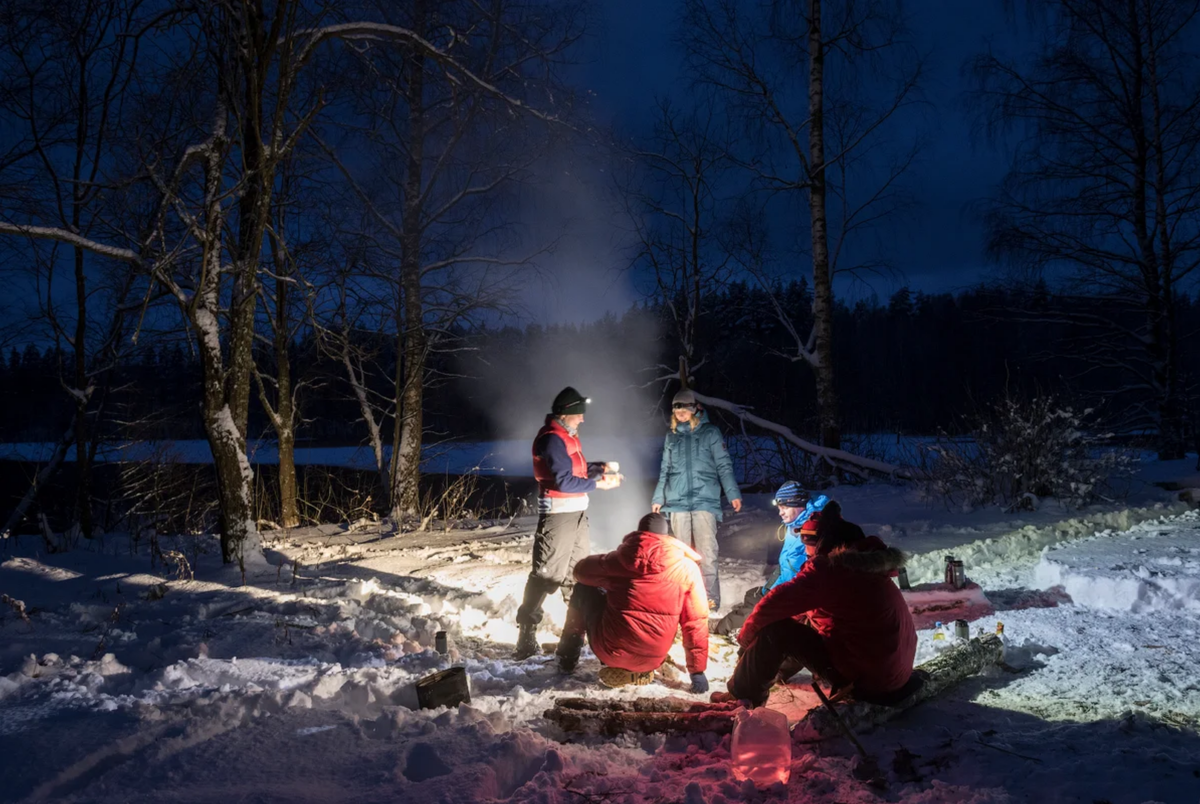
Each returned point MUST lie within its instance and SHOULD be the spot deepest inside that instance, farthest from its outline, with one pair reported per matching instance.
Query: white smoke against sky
(584, 278)
(620, 424)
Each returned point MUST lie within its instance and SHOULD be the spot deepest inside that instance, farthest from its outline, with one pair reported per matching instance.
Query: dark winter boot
(527, 644)
(569, 648)
(536, 590)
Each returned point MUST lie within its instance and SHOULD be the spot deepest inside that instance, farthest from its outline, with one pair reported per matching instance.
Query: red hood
(646, 553)
(654, 589)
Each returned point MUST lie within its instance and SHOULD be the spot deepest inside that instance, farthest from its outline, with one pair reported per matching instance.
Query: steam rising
(621, 423)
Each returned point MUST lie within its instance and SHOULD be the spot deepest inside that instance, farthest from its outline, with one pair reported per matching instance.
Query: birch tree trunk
(409, 422)
(827, 407)
(285, 413)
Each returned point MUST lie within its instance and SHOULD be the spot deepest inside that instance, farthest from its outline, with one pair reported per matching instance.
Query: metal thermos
(902, 577)
(440, 644)
(958, 575)
(961, 629)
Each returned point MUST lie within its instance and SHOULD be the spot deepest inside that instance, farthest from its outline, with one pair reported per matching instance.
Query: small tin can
(902, 577)
(958, 575)
(948, 574)
(440, 644)
(961, 629)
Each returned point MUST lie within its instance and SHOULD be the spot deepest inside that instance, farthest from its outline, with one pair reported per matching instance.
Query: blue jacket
(793, 555)
(695, 469)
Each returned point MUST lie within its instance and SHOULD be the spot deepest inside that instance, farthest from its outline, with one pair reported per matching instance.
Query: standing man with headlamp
(564, 479)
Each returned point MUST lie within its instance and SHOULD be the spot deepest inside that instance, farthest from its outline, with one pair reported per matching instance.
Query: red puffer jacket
(849, 598)
(654, 586)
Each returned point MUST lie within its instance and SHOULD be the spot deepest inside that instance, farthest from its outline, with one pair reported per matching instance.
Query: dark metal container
(902, 577)
(440, 644)
(958, 575)
(961, 629)
(444, 688)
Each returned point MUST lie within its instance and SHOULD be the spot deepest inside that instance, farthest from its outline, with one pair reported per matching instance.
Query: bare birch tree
(66, 72)
(774, 64)
(679, 198)
(1103, 194)
(220, 109)
(436, 174)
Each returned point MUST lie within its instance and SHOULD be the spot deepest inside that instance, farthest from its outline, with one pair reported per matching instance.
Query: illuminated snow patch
(1159, 571)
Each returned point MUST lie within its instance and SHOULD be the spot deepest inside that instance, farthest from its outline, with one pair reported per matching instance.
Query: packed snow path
(301, 689)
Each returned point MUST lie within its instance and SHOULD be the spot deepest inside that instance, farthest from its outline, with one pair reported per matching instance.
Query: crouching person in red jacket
(842, 617)
(630, 602)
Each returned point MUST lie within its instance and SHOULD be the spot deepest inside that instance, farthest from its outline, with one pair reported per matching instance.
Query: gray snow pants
(558, 543)
(698, 529)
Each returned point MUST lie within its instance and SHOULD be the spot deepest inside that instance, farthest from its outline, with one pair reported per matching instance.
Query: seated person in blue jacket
(796, 509)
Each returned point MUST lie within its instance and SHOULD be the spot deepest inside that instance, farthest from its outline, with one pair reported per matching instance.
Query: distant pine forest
(915, 363)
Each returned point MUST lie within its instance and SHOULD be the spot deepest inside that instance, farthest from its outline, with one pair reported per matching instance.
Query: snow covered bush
(1021, 452)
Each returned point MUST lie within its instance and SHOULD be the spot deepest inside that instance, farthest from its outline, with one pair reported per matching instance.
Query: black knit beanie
(569, 402)
(653, 523)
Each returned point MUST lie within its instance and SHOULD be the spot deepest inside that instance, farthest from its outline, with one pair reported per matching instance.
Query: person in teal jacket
(695, 469)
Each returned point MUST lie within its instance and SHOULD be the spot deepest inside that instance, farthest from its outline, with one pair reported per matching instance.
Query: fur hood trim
(881, 560)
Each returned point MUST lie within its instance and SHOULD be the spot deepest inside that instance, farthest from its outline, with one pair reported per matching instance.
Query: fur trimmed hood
(868, 555)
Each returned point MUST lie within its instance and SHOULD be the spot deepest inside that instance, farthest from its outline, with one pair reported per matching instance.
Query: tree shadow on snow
(954, 740)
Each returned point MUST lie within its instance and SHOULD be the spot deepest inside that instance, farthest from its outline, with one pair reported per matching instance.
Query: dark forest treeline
(916, 364)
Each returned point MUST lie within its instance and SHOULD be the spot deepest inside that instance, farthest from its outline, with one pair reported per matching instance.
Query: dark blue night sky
(632, 57)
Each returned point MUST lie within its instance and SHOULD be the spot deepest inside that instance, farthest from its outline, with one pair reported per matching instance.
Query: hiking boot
(616, 677)
(527, 644)
(713, 605)
(568, 651)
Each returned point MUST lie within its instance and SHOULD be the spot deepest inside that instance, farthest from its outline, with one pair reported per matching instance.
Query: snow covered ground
(299, 685)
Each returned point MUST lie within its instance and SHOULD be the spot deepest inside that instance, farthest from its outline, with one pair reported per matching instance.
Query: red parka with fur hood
(654, 587)
(848, 596)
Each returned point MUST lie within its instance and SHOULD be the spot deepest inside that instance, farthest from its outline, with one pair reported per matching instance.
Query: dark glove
(699, 682)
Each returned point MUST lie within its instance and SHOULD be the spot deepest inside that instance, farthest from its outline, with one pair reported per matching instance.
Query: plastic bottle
(762, 747)
(940, 639)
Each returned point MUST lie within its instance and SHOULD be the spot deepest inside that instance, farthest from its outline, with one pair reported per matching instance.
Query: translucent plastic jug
(762, 747)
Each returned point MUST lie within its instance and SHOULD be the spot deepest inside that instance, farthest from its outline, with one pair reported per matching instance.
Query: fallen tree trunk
(652, 715)
(644, 715)
(943, 671)
(839, 459)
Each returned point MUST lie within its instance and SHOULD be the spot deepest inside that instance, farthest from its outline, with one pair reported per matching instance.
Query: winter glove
(699, 682)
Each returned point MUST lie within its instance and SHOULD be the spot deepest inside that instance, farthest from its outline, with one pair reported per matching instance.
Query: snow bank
(1153, 568)
(1006, 558)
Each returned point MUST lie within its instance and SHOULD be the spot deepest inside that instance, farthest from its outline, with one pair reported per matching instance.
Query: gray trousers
(558, 543)
(698, 529)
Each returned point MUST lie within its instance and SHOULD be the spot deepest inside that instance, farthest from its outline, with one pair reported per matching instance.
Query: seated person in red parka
(842, 617)
(631, 602)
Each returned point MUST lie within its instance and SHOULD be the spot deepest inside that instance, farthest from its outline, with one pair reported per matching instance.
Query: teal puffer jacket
(695, 469)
